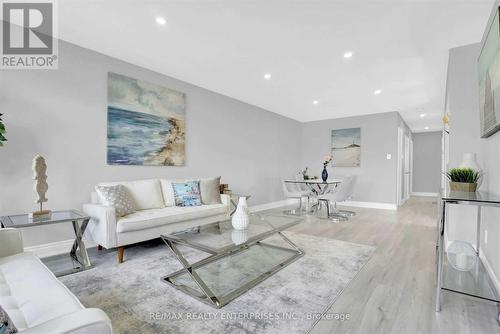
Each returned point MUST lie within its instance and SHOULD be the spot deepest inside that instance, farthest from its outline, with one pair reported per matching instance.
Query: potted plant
(2, 132)
(463, 179)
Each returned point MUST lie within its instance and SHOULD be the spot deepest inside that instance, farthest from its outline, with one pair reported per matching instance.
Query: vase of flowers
(324, 174)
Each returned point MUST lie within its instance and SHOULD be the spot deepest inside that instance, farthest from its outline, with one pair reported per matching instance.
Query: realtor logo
(29, 38)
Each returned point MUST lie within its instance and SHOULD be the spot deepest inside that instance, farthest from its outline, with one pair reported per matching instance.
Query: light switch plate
(389, 156)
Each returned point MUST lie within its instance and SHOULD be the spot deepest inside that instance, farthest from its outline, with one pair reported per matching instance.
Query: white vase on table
(241, 218)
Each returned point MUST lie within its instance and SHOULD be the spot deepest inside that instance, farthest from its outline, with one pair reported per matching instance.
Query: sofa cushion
(31, 294)
(187, 193)
(117, 197)
(145, 219)
(210, 190)
(147, 194)
(205, 184)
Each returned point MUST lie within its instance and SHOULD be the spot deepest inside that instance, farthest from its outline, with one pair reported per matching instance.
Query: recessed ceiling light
(315, 102)
(267, 76)
(426, 128)
(348, 54)
(377, 91)
(422, 115)
(161, 20)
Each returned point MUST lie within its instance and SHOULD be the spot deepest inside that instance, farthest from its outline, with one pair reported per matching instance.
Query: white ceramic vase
(469, 161)
(241, 219)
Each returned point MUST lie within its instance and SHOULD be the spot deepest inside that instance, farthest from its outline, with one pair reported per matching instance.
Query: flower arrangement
(328, 158)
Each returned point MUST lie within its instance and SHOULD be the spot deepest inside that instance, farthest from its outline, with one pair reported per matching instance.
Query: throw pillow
(118, 197)
(6, 325)
(210, 190)
(187, 193)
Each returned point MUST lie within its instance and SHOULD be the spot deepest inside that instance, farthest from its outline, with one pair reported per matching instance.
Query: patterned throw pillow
(6, 325)
(187, 193)
(118, 197)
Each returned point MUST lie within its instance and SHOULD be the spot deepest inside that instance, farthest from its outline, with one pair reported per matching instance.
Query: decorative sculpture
(40, 176)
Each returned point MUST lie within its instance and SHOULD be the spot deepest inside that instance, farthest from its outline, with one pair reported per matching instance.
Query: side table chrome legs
(79, 245)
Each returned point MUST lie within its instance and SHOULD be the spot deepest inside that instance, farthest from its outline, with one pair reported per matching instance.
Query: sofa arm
(226, 200)
(86, 321)
(11, 242)
(102, 225)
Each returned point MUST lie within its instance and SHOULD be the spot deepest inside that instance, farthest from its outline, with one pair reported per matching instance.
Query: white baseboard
(56, 248)
(273, 205)
(423, 194)
(371, 205)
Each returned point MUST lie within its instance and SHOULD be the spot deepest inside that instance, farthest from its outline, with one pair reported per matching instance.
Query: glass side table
(78, 253)
(475, 282)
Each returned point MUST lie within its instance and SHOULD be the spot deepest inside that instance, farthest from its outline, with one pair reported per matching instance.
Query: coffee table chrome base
(207, 296)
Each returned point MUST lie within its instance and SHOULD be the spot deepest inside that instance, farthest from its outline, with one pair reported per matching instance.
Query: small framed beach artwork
(146, 123)
(346, 147)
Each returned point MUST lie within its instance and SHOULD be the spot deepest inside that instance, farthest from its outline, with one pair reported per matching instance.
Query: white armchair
(35, 301)
(11, 242)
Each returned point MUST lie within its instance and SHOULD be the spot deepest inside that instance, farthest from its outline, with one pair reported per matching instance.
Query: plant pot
(463, 186)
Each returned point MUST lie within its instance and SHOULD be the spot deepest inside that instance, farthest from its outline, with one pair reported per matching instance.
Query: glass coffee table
(237, 261)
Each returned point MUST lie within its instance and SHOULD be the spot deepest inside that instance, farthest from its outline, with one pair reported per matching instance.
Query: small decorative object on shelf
(463, 179)
(224, 188)
(241, 219)
(324, 174)
(40, 176)
(2, 132)
(461, 255)
(304, 174)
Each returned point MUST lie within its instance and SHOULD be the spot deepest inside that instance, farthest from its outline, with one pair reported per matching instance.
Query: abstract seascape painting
(146, 123)
(346, 147)
(489, 80)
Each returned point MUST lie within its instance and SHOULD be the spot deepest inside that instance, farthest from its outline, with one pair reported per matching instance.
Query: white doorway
(405, 163)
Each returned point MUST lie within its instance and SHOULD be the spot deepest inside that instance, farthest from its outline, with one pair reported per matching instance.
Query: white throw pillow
(117, 197)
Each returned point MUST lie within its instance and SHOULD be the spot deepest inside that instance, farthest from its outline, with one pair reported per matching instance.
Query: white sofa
(35, 301)
(156, 214)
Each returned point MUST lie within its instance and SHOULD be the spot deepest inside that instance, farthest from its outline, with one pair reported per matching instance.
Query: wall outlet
(485, 237)
(389, 156)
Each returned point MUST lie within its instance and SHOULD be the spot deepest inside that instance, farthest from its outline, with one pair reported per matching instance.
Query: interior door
(407, 168)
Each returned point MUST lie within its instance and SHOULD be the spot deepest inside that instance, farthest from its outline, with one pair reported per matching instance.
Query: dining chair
(291, 190)
(341, 193)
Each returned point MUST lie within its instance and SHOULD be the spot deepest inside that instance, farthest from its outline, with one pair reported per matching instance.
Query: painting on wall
(146, 123)
(489, 80)
(346, 147)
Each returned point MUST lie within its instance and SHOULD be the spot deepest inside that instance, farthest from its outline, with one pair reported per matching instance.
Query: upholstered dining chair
(292, 190)
(341, 193)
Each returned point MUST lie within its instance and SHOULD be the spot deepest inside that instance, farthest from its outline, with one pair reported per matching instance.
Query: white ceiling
(400, 47)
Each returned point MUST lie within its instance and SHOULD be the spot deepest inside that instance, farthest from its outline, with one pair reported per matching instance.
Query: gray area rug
(137, 301)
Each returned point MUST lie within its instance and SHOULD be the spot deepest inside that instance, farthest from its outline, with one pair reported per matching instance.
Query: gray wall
(376, 176)
(61, 114)
(463, 105)
(427, 162)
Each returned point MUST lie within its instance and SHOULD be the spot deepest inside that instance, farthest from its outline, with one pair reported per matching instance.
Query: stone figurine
(40, 177)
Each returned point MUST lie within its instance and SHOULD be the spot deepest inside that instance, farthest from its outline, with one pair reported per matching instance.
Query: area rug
(290, 301)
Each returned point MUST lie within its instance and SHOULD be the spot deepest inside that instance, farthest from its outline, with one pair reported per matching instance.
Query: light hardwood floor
(395, 291)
